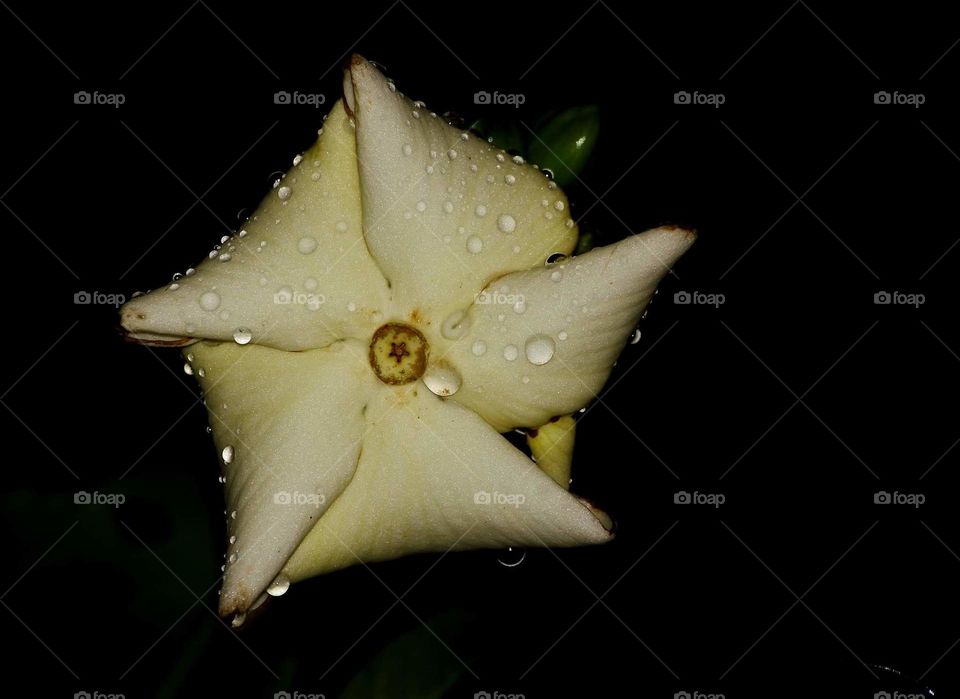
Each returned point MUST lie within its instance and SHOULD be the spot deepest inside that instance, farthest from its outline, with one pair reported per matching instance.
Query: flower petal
(297, 277)
(443, 215)
(542, 343)
(434, 477)
(288, 428)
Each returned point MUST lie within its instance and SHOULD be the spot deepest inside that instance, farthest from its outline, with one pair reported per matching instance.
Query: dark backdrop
(798, 398)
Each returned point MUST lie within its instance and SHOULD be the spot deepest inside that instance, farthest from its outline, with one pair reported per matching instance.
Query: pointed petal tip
(605, 520)
(134, 326)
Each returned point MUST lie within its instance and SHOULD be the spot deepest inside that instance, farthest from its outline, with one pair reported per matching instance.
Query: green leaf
(564, 143)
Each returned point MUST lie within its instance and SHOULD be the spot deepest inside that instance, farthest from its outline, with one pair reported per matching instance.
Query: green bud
(564, 143)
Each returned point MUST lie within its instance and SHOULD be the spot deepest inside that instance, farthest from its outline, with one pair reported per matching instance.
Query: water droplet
(452, 154)
(510, 179)
(315, 176)
(310, 284)
(448, 207)
(225, 257)
(201, 372)
(351, 307)
(442, 380)
(227, 454)
(187, 369)
(210, 301)
(429, 169)
(297, 159)
(455, 325)
(512, 564)
(635, 338)
(341, 226)
(191, 271)
(407, 149)
(242, 336)
(474, 244)
(568, 223)
(233, 515)
(173, 287)
(525, 379)
(558, 205)
(539, 349)
(391, 86)
(556, 275)
(280, 584)
(233, 539)
(506, 223)
(510, 352)
(232, 558)
(421, 206)
(176, 276)
(307, 244)
(284, 193)
(501, 157)
(416, 114)
(479, 348)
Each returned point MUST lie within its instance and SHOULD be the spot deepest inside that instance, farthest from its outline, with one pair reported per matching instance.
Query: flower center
(398, 353)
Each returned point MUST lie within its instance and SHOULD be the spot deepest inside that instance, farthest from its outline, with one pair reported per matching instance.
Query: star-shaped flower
(392, 305)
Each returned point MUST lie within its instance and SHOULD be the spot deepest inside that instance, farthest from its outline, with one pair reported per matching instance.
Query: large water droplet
(242, 336)
(539, 349)
(506, 223)
(280, 585)
(284, 193)
(188, 369)
(455, 325)
(227, 454)
(210, 301)
(474, 244)
(442, 380)
(307, 244)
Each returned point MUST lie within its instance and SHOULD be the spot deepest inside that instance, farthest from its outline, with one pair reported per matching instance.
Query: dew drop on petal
(407, 149)
(556, 275)
(481, 210)
(297, 159)
(635, 338)
(539, 349)
(562, 335)
(227, 454)
(341, 226)
(558, 205)
(421, 206)
(510, 179)
(479, 348)
(455, 325)
(187, 369)
(474, 244)
(280, 585)
(452, 154)
(284, 193)
(510, 353)
(506, 223)
(310, 284)
(242, 336)
(307, 244)
(210, 301)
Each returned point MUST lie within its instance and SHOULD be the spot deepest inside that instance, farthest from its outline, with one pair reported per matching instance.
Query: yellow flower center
(398, 353)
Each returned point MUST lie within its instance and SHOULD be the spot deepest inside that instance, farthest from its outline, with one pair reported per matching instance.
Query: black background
(797, 399)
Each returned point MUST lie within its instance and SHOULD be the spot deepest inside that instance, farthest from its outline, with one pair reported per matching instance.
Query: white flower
(382, 316)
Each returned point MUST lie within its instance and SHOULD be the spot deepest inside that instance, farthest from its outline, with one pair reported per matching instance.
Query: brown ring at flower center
(398, 353)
